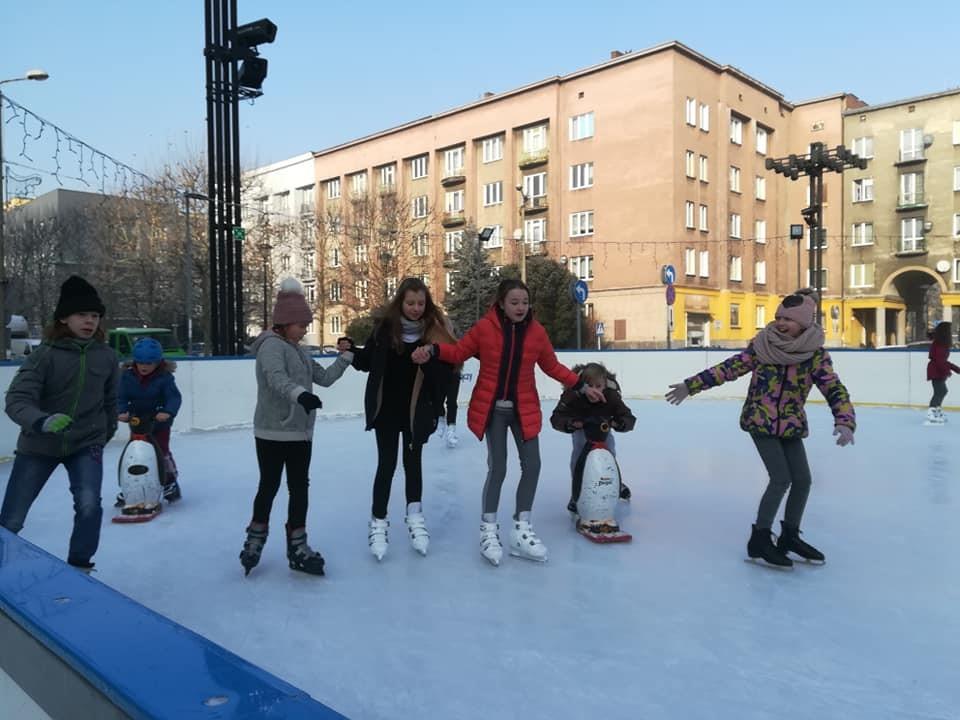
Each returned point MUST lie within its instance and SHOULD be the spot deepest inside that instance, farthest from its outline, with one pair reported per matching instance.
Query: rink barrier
(67, 652)
(221, 393)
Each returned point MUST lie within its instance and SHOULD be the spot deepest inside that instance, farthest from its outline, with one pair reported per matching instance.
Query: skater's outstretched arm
(325, 377)
(732, 368)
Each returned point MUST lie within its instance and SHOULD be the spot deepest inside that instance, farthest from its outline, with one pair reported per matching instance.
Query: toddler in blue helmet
(148, 391)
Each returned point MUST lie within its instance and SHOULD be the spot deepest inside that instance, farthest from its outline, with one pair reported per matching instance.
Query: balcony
(911, 201)
(453, 217)
(387, 189)
(453, 176)
(306, 208)
(537, 204)
(911, 246)
(910, 157)
(534, 158)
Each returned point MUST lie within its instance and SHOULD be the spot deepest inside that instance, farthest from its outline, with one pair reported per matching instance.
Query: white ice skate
(378, 537)
(490, 546)
(524, 542)
(417, 527)
(934, 416)
(451, 437)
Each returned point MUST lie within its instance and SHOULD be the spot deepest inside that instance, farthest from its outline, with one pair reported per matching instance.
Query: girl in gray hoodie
(283, 426)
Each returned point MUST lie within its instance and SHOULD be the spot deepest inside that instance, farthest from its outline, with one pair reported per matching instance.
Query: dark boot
(625, 493)
(171, 491)
(789, 541)
(253, 546)
(761, 547)
(301, 556)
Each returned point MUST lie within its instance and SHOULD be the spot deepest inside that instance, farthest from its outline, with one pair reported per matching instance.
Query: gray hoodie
(74, 377)
(285, 370)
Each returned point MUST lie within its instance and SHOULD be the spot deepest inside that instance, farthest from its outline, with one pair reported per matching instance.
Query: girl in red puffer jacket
(938, 370)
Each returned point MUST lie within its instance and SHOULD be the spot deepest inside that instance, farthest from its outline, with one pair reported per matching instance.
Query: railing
(534, 157)
(387, 188)
(911, 199)
(454, 217)
(452, 176)
(538, 203)
(911, 155)
(911, 246)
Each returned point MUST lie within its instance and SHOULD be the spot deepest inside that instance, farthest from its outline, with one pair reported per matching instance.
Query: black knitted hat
(77, 295)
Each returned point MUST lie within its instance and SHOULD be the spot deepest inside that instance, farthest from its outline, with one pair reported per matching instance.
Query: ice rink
(674, 626)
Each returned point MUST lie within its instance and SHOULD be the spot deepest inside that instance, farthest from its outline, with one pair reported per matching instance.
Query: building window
(535, 231)
(762, 140)
(689, 210)
(812, 278)
(492, 149)
(535, 186)
(535, 139)
(336, 325)
(734, 179)
(335, 260)
(734, 315)
(392, 284)
(689, 261)
(956, 132)
(911, 234)
(862, 234)
(863, 190)
(336, 291)
(418, 167)
(760, 272)
(704, 216)
(736, 130)
(453, 162)
(309, 262)
(861, 276)
(450, 281)
(704, 169)
(956, 178)
(305, 200)
(911, 144)
(705, 118)
(581, 176)
(956, 225)
(760, 231)
(425, 279)
(285, 263)
(581, 126)
(911, 189)
(493, 193)
(333, 189)
(388, 176)
(420, 206)
(310, 293)
(421, 245)
(735, 223)
(691, 164)
(360, 254)
(691, 112)
(280, 203)
(582, 267)
(581, 223)
(360, 290)
(760, 186)
(452, 241)
(736, 269)
(496, 239)
(863, 147)
(358, 183)
(704, 263)
(760, 317)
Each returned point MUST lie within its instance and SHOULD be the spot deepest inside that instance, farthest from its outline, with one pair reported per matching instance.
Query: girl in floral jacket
(786, 358)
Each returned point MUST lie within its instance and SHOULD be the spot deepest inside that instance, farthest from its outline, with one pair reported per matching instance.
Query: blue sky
(128, 77)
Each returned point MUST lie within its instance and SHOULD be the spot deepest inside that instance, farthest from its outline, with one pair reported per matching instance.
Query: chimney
(487, 94)
(615, 54)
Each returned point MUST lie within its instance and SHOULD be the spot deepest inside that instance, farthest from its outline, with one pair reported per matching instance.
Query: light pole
(38, 75)
(518, 235)
(482, 237)
(188, 288)
(265, 248)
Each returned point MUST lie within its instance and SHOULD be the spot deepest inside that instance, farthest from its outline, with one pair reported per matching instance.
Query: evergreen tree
(474, 285)
(550, 284)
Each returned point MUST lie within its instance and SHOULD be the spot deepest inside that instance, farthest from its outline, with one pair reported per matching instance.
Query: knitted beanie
(802, 313)
(77, 295)
(291, 306)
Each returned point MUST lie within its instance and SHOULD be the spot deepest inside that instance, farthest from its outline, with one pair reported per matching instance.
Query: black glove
(309, 401)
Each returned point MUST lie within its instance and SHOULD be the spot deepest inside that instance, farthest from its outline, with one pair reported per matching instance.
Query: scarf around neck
(410, 330)
(775, 348)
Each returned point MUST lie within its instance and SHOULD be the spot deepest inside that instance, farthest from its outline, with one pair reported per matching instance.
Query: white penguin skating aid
(599, 485)
(140, 474)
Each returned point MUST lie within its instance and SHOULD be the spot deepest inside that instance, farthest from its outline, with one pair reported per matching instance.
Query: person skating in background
(64, 398)
(148, 391)
(509, 342)
(450, 400)
(939, 369)
(574, 409)
(786, 359)
(283, 426)
(402, 401)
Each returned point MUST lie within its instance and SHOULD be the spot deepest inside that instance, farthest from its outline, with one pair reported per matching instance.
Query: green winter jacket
(70, 376)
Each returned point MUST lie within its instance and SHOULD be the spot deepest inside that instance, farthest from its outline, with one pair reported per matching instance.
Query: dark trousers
(453, 389)
(272, 457)
(786, 463)
(939, 392)
(388, 440)
(85, 470)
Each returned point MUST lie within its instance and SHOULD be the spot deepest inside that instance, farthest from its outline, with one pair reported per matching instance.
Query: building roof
(905, 101)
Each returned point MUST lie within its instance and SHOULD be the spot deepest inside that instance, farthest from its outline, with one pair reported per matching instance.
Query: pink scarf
(775, 348)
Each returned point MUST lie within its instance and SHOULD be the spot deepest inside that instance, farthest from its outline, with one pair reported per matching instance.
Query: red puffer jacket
(485, 341)
(939, 367)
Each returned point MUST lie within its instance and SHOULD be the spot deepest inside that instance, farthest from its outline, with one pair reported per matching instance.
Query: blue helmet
(147, 350)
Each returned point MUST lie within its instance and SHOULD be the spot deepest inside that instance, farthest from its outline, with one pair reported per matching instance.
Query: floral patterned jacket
(777, 394)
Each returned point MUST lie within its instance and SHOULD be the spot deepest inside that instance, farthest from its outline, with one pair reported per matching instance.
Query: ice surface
(673, 626)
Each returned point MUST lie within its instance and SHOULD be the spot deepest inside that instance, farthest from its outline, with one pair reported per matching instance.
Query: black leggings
(388, 438)
(453, 389)
(939, 392)
(272, 455)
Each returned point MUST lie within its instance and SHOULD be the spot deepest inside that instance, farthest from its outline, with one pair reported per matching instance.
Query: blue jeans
(85, 470)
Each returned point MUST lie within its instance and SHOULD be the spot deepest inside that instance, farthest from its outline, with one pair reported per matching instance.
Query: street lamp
(188, 289)
(518, 235)
(38, 75)
(482, 237)
(265, 247)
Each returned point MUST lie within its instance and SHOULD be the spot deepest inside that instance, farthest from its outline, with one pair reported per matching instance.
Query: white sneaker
(524, 542)
(419, 537)
(490, 546)
(378, 537)
(451, 437)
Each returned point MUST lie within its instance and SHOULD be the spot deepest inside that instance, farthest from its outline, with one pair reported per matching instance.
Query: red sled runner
(597, 487)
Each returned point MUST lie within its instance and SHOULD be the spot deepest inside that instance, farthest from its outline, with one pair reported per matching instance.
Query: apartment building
(902, 219)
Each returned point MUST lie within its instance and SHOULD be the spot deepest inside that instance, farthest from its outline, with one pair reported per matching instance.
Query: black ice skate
(625, 493)
(253, 547)
(761, 549)
(171, 492)
(301, 556)
(790, 542)
(119, 502)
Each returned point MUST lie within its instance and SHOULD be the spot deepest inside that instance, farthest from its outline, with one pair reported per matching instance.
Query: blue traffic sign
(668, 274)
(671, 294)
(580, 291)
